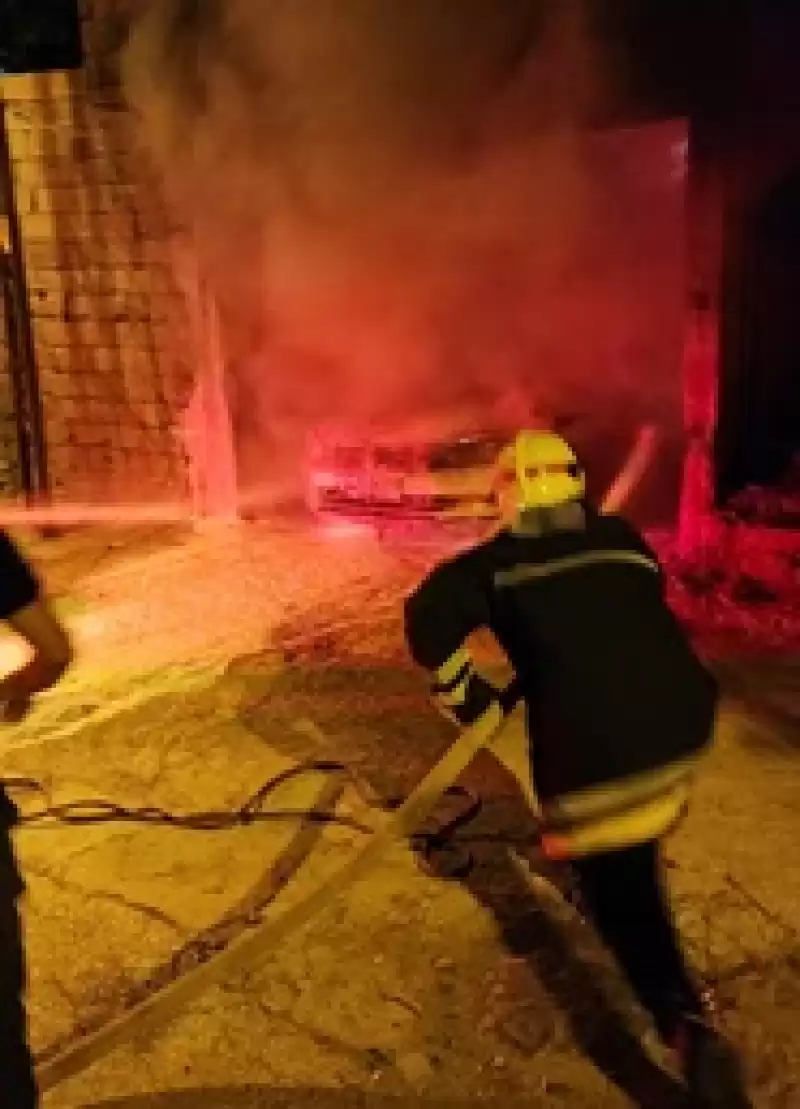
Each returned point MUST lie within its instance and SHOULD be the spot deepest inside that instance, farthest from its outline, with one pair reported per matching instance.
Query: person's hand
(16, 700)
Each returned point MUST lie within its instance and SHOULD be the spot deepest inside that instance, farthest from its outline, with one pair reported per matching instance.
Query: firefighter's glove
(461, 693)
(510, 697)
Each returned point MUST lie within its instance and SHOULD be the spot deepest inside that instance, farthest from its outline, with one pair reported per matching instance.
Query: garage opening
(759, 434)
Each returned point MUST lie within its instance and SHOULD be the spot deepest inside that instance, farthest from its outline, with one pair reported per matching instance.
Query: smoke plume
(399, 215)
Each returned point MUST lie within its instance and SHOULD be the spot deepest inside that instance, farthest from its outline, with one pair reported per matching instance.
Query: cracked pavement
(417, 988)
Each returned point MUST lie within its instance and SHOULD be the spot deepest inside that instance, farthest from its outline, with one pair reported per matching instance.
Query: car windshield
(463, 454)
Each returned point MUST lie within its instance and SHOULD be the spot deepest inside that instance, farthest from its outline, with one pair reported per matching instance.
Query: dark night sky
(660, 50)
(39, 35)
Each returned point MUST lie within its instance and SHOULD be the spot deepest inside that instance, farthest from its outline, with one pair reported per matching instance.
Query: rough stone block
(130, 437)
(52, 332)
(78, 306)
(57, 113)
(59, 458)
(38, 225)
(29, 198)
(48, 281)
(47, 303)
(52, 360)
(91, 282)
(98, 261)
(139, 367)
(133, 335)
(17, 88)
(58, 384)
(40, 255)
(136, 307)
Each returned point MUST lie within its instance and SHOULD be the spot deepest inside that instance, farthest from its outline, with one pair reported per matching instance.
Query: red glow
(208, 439)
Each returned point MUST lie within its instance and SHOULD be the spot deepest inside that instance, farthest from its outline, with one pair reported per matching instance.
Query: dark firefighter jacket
(618, 705)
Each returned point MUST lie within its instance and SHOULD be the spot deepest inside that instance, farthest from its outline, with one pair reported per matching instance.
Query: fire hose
(159, 1008)
(164, 1003)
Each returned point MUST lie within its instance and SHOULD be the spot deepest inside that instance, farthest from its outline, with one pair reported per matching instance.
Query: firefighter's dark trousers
(17, 1083)
(623, 894)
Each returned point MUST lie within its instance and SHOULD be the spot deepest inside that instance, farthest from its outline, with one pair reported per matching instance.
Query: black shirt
(18, 584)
(18, 587)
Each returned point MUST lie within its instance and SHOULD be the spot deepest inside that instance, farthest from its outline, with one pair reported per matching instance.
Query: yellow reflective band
(446, 713)
(606, 799)
(489, 720)
(456, 696)
(524, 572)
(452, 667)
(636, 825)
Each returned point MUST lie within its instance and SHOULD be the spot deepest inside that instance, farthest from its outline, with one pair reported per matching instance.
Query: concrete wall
(110, 331)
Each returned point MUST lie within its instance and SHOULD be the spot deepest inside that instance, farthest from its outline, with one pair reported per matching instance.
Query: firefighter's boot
(710, 1068)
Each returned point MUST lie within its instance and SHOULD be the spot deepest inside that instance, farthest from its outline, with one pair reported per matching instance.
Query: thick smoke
(400, 218)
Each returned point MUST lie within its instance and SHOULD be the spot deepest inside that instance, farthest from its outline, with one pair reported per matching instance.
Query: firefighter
(24, 608)
(619, 713)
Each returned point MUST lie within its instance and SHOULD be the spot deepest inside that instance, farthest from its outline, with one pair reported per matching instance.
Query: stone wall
(111, 336)
(10, 478)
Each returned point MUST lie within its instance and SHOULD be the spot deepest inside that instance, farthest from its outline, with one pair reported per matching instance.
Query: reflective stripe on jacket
(623, 813)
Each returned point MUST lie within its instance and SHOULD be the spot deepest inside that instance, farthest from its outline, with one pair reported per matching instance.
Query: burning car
(419, 478)
(434, 476)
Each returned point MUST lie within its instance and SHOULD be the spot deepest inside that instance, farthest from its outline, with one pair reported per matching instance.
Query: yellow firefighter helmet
(539, 469)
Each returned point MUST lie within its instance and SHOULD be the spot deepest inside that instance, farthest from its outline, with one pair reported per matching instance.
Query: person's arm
(38, 625)
(440, 616)
(26, 610)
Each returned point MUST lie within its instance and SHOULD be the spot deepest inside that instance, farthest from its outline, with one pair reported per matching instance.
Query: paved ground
(211, 666)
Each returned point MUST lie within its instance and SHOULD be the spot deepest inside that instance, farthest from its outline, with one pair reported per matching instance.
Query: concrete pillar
(697, 528)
